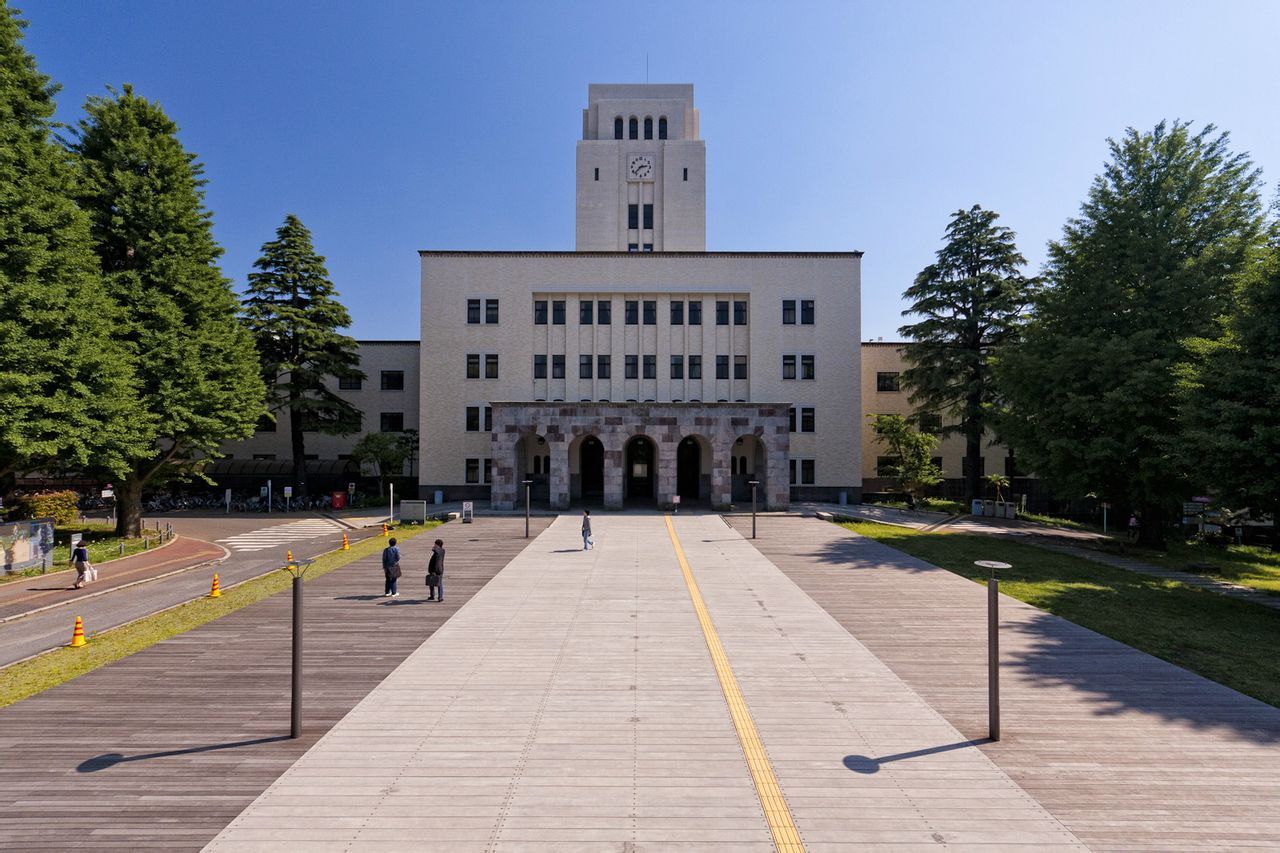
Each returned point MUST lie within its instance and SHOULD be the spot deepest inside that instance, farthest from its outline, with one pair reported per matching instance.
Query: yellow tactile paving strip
(781, 824)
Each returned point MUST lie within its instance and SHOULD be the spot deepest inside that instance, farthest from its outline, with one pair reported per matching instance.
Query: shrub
(63, 507)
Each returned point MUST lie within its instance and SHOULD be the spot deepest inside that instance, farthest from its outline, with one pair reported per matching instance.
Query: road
(256, 543)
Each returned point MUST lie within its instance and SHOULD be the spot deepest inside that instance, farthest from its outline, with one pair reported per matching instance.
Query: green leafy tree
(913, 466)
(200, 384)
(66, 388)
(971, 301)
(1150, 262)
(386, 451)
(998, 482)
(294, 315)
(1232, 403)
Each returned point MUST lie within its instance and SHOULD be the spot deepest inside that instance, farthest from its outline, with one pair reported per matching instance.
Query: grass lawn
(1233, 642)
(52, 668)
(104, 545)
(1247, 565)
(929, 505)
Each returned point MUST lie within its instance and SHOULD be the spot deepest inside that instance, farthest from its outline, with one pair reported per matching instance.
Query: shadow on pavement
(111, 759)
(863, 764)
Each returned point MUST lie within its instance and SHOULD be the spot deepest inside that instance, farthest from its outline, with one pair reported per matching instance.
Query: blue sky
(390, 127)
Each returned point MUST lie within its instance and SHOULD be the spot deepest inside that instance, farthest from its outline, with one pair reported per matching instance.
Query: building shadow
(111, 759)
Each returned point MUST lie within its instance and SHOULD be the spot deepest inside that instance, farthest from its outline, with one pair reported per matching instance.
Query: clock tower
(641, 171)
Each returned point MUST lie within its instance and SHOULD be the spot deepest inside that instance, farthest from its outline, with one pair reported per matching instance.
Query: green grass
(30, 677)
(1068, 523)
(929, 505)
(104, 546)
(1247, 565)
(1233, 642)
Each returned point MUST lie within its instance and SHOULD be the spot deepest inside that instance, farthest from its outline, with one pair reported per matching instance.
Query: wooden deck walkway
(1128, 751)
(162, 749)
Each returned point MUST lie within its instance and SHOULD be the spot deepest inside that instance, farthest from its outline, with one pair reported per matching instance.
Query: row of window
(789, 367)
(490, 365)
(807, 419)
(602, 367)
(475, 466)
(633, 217)
(807, 470)
(392, 380)
(789, 312)
(490, 313)
(633, 127)
(388, 422)
(600, 312)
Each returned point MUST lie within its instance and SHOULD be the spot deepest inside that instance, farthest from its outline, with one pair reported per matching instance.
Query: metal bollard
(993, 646)
(121, 547)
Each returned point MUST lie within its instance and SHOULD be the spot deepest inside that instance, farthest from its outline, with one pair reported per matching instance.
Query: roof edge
(480, 253)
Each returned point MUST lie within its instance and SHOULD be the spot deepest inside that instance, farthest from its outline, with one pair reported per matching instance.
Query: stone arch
(633, 128)
(617, 127)
(648, 127)
(585, 462)
(752, 464)
(640, 468)
(532, 453)
(693, 469)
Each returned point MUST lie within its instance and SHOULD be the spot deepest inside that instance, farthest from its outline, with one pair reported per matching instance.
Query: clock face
(641, 167)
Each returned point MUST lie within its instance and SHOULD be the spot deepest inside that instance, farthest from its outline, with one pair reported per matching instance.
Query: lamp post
(753, 484)
(295, 697)
(527, 484)
(993, 646)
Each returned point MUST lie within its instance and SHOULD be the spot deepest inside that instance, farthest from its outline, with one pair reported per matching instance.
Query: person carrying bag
(391, 568)
(435, 572)
(84, 569)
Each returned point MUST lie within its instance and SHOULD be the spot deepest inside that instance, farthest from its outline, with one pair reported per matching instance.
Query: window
(633, 128)
(491, 366)
(557, 312)
(791, 421)
(488, 419)
(648, 216)
(632, 367)
(350, 383)
(739, 367)
(585, 310)
(807, 418)
(604, 367)
(722, 367)
(648, 247)
(473, 419)
(491, 311)
(793, 471)
(393, 380)
(931, 423)
(739, 312)
(662, 127)
(788, 367)
(617, 128)
(604, 312)
(677, 367)
(806, 312)
(539, 367)
(695, 312)
(887, 382)
(540, 312)
(488, 471)
(686, 173)
(633, 216)
(806, 472)
(648, 127)
(391, 422)
(597, 173)
(964, 466)
(557, 367)
(936, 462)
(722, 313)
(473, 470)
(632, 312)
(677, 313)
(695, 367)
(788, 312)
(633, 247)
(473, 311)
(266, 423)
(650, 312)
(584, 367)
(650, 367)
(885, 465)
(473, 366)
(806, 367)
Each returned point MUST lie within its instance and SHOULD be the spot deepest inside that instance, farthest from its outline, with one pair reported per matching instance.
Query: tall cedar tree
(294, 315)
(1233, 397)
(66, 388)
(1093, 388)
(153, 236)
(972, 300)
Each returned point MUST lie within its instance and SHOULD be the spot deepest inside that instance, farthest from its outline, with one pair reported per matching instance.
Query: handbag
(395, 571)
(91, 574)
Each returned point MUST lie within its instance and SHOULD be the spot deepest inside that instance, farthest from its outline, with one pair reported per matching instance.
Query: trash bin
(989, 508)
(439, 496)
(844, 499)
(976, 509)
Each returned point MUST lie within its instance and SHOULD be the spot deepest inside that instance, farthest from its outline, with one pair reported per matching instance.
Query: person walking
(435, 572)
(391, 568)
(80, 559)
(586, 530)
(1134, 526)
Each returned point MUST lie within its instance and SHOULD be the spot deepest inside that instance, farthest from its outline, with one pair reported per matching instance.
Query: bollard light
(527, 484)
(753, 485)
(993, 645)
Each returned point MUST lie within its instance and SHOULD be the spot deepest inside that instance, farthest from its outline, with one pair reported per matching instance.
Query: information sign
(288, 491)
(468, 509)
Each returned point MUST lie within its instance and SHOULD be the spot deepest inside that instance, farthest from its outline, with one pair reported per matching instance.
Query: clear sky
(390, 127)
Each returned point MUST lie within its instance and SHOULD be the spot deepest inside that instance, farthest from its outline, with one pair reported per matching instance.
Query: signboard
(1192, 508)
(676, 500)
(288, 491)
(351, 488)
(262, 492)
(108, 493)
(468, 509)
(26, 544)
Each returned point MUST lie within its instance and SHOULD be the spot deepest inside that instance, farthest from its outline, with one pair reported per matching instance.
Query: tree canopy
(912, 451)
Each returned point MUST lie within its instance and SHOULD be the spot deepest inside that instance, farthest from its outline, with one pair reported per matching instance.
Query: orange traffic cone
(216, 592)
(288, 557)
(77, 636)
(346, 546)
(384, 529)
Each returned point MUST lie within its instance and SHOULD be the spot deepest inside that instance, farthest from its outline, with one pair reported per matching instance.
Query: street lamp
(753, 484)
(993, 645)
(527, 484)
(295, 702)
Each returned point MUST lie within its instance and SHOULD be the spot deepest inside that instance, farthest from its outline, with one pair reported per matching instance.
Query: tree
(972, 300)
(999, 482)
(196, 363)
(912, 450)
(294, 316)
(1150, 262)
(1232, 396)
(66, 387)
(387, 451)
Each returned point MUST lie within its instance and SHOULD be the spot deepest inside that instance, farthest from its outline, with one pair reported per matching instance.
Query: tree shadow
(395, 602)
(863, 764)
(357, 597)
(111, 759)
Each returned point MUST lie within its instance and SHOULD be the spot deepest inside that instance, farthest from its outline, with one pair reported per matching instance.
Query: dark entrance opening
(689, 470)
(591, 469)
(641, 460)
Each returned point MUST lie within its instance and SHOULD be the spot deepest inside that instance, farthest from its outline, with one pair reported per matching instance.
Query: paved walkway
(579, 702)
(1128, 751)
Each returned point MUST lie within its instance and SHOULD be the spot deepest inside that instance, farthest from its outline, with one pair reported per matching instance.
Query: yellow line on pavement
(786, 838)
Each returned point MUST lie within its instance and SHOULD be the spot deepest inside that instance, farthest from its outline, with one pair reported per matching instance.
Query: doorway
(591, 468)
(689, 470)
(641, 460)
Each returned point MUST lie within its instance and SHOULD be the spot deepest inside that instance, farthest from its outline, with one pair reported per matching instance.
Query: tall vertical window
(677, 367)
(491, 366)
(792, 464)
(650, 367)
(632, 367)
(650, 312)
(788, 367)
(806, 472)
(633, 128)
(686, 173)
(633, 216)
(604, 312)
(393, 380)
(648, 127)
(557, 312)
(806, 312)
(617, 128)
(791, 419)
(662, 127)
(604, 367)
(491, 310)
(473, 365)
(473, 418)
(540, 312)
(648, 216)
(695, 312)
(677, 312)
(739, 312)
(788, 312)
(722, 367)
(473, 470)
(739, 367)
(597, 175)
(722, 312)
(473, 311)
(806, 419)
(488, 471)
(632, 310)
(806, 367)
(557, 367)
(584, 367)
(586, 309)
(488, 419)
(539, 367)
(695, 367)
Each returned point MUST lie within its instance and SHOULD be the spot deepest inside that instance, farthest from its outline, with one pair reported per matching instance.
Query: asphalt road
(29, 635)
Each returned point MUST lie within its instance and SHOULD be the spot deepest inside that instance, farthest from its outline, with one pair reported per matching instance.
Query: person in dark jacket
(435, 572)
(80, 559)
(391, 568)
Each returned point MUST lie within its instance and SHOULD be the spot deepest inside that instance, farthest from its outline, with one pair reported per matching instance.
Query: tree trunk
(129, 507)
(1151, 529)
(299, 454)
(973, 477)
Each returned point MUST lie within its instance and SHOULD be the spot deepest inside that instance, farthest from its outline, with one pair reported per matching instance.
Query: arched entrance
(693, 469)
(640, 475)
(586, 470)
(747, 463)
(533, 462)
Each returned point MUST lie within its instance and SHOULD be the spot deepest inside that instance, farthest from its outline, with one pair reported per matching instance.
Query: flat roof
(468, 253)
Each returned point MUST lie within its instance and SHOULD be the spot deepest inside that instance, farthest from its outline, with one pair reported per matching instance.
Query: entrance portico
(648, 452)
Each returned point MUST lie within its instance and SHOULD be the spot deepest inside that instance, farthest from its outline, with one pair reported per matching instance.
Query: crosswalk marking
(281, 535)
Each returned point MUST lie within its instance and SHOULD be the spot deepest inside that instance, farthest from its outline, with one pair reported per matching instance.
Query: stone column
(558, 477)
(721, 478)
(668, 461)
(613, 471)
(777, 442)
(502, 449)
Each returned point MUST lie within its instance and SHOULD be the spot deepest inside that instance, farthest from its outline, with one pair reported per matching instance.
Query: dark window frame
(557, 312)
(807, 312)
(647, 216)
(633, 217)
(585, 367)
(473, 365)
(808, 419)
(540, 312)
(385, 418)
(677, 367)
(677, 312)
(539, 366)
(722, 312)
(392, 380)
(604, 367)
(557, 366)
(491, 365)
(695, 312)
(695, 367)
(888, 381)
(631, 312)
(471, 471)
(808, 368)
(604, 312)
(649, 367)
(739, 367)
(473, 312)
(808, 472)
(739, 312)
(491, 312)
(631, 366)
(788, 367)
(586, 312)
(722, 367)
(650, 312)
(788, 312)
(350, 383)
